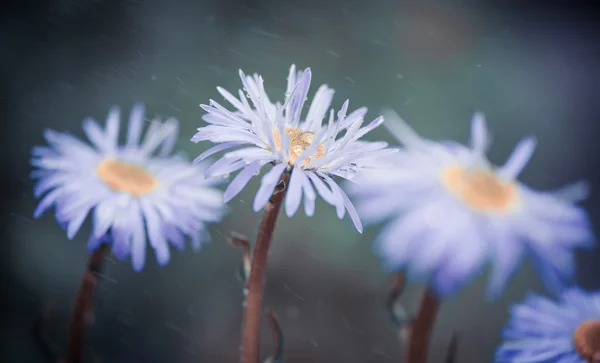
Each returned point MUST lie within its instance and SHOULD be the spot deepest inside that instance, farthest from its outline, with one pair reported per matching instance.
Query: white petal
(518, 159)
(136, 122)
(267, 185)
(400, 129)
(241, 180)
(479, 135)
(112, 126)
(294, 193)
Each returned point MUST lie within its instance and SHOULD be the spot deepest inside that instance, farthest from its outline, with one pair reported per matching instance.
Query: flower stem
(421, 328)
(253, 311)
(83, 311)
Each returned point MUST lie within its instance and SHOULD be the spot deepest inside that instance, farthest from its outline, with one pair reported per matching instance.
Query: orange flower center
(480, 189)
(299, 141)
(124, 177)
(587, 340)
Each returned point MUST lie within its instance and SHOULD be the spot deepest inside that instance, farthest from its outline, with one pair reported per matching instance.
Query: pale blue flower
(132, 192)
(262, 132)
(450, 211)
(544, 331)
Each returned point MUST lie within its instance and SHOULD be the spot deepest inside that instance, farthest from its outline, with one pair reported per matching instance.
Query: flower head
(132, 191)
(264, 132)
(451, 211)
(541, 330)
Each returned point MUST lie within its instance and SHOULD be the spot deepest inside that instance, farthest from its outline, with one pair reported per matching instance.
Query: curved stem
(83, 311)
(253, 311)
(278, 338)
(421, 328)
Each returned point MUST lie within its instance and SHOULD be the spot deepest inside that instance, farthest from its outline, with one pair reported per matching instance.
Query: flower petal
(400, 129)
(215, 149)
(322, 189)
(136, 122)
(479, 134)
(267, 185)
(138, 241)
(294, 193)
(518, 159)
(112, 127)
(241, 180)
(155, 236)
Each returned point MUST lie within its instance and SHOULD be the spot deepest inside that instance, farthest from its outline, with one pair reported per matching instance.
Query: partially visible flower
(541, 330)
(274, 133)
(132, 192)
(451, 211)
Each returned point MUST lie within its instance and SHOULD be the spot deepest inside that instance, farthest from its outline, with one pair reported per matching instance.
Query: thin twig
(421, 328)
(253, 311)
(278, 338)
(83, 310)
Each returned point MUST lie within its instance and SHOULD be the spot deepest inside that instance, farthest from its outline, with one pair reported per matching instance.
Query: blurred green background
(531, 68)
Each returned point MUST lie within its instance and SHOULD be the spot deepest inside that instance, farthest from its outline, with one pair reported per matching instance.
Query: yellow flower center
(587, 340)
(299, 141)
(124, 177)
(480, 189)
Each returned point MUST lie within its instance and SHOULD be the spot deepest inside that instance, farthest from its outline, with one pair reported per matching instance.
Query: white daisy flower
(264, 132)
(132, 191)
(450, 211)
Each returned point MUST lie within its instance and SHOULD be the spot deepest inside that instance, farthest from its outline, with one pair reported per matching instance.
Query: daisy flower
(541, 330)
(132, 192)
(450, 211)
(260, 132)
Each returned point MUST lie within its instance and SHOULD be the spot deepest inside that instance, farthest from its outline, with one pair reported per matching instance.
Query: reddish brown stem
(83, 310)
(253, 311)
(422, 328)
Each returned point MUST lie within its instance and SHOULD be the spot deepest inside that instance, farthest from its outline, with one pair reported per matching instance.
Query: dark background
(530, 66)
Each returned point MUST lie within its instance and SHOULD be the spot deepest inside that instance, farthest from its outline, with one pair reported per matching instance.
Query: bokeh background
(530, 66)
